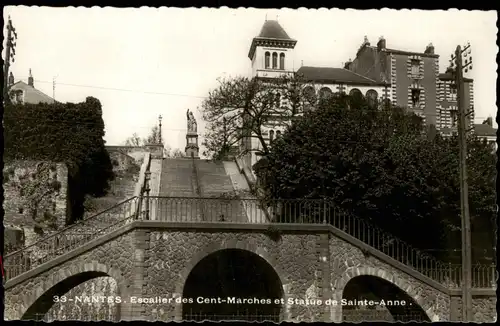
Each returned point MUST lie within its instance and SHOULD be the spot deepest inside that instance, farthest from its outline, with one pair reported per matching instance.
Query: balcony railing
(249, 211)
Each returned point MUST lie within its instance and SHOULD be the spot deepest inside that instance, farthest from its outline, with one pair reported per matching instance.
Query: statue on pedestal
(191, 122)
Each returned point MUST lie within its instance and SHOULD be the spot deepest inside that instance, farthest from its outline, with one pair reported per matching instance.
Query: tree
(379, 165)
(154, 136)
(134, 140)
(240, 108)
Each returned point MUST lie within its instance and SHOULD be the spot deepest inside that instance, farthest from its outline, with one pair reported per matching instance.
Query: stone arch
(250, 246)
(399, 283)
(39, 300)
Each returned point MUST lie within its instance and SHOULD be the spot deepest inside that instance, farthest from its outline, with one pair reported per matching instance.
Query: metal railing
(69, 238)
(252, 211)
(310, 211)
(375, 315)
(238, 315)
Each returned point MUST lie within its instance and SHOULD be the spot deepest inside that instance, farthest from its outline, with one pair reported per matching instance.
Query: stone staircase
(192, 179)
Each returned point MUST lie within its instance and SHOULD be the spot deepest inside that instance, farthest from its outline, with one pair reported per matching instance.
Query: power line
(122, 89)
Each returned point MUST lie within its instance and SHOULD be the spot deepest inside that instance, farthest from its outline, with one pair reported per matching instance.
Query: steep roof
(272, 29)
(331, 75)
(485, 130)
(271, 34)
(31, 94)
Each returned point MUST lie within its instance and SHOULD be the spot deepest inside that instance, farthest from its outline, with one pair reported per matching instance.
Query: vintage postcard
(285, 165)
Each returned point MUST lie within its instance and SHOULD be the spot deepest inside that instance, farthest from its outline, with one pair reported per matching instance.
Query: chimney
(11, 79)
(347, 65)
(429, 49)
(381, 43)
(31, 80)
(489, 121)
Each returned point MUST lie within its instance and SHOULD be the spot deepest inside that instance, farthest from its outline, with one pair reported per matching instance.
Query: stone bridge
(165, 261)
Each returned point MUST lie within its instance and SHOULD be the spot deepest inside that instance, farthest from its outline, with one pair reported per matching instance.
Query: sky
(142, 63)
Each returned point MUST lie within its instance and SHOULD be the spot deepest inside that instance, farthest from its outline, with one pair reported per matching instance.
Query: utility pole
(10, 52)
(159, 131)
(464, 190)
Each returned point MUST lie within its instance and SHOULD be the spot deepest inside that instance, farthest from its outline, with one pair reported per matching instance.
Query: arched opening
(309, 94)
(226, 284)
(267, 60)
(282, 61)
(325, 93)
(278, 134)
(86, 291)
(275, 60)
(271, 136)
(372, 98)
(370, 298)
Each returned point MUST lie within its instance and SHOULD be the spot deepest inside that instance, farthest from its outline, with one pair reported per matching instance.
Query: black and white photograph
(222, 164)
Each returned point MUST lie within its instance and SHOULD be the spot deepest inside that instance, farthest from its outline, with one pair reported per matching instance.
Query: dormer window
(268, 60)
(275, 60)
(282, 61)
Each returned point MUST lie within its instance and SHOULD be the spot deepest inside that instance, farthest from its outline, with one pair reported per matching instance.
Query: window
(282, 61)
(275, 60)
(267, 60)
(278, 134)
(278, 99)
(415, 68)
(454, 118)
(309, 94)
(372, 98)
(271, 136)
(415, 97)
(325, 93)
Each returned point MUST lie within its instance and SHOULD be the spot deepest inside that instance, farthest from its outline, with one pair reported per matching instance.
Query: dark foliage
(69, 133)
(380, 166)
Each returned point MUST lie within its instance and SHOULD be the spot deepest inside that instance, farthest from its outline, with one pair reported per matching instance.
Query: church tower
(271, 51)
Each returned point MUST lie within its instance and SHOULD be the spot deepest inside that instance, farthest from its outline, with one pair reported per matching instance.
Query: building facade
(413, 76)
(22, 93)
(272, 56)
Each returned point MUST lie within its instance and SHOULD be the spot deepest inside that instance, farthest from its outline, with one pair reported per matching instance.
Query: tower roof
(272, 29)
(271, 34)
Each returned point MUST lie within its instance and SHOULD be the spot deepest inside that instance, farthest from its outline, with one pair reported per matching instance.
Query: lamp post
(457, 68)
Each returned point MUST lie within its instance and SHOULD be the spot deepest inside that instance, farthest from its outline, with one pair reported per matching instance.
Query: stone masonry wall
(35, 193)
(172, 255)
(114, 258)
(156, 263)
(348, 261)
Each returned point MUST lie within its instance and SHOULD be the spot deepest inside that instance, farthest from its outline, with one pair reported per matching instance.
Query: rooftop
(485, 130)
(449, 76)
(331, 75)
(272, 29)
(31, 94)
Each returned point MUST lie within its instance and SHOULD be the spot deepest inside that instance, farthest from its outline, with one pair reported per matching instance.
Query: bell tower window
(282, 61)
(267, 60)
(275, 60)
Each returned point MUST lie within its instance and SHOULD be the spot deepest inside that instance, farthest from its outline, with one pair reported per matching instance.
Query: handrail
(69, 227)
(294, 211)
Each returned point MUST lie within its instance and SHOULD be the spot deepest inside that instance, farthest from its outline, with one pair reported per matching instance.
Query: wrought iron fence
(310, 211)
(182, 209)
(69, 238)
(374, 315)
(242, 315)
